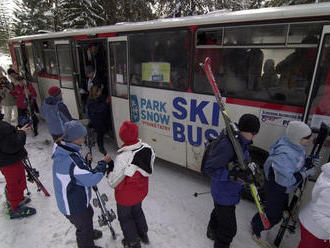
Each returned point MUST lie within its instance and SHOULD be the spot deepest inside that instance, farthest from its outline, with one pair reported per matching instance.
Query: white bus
(271, 62)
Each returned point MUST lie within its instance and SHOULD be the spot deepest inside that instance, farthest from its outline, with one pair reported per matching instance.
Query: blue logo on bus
(135, 112)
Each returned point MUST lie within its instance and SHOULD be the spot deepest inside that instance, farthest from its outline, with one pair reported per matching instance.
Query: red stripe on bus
(105, 35)
(48, 76)
(80, 37)
(267, 105)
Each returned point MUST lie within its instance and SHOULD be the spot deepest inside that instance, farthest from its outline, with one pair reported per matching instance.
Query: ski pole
(201, 193)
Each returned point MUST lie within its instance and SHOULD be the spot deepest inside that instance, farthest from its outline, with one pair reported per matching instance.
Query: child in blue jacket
(226, 192)
(283, 173)
(73, 180)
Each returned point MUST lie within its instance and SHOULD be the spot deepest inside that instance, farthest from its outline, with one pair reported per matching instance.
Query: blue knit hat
(74, 130)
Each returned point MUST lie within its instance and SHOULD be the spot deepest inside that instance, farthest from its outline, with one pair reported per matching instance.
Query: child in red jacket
(130, 179)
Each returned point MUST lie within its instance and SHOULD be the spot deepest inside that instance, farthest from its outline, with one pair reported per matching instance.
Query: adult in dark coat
(12, 152)
(99, 115)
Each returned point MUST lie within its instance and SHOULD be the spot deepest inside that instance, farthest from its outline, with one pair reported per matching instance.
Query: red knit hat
(129, 133)
(54, 91)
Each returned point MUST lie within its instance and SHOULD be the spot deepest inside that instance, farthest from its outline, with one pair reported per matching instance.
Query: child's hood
(284, 145)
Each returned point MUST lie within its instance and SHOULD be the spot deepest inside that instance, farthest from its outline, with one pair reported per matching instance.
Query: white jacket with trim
(315, 217)
(123, 163)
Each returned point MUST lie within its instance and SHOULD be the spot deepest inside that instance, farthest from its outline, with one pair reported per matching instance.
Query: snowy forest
(33, 16)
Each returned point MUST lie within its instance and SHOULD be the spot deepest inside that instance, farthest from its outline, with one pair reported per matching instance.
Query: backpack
(209, 147)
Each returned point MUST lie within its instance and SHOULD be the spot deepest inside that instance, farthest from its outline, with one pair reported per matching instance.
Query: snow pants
(84, 227)
(100, 139)
(132, 221)
(309, 240)
(223, 224)
(276, 202)
(15, 183)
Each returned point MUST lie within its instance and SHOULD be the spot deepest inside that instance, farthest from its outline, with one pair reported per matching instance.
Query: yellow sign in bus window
(156, 71)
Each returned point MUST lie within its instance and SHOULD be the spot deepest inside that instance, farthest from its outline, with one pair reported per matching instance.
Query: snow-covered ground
(5, 61)
(176, 219)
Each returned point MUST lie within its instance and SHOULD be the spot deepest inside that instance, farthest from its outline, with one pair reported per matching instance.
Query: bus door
(119, 84)
(318, 103)
(66, 77)
(30, 68)
(91, 54)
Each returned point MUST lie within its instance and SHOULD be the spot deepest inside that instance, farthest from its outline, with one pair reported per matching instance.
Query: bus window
(252, 35)
(306, 33)
(209, 37)
(279, 75)
(38, 60)
(162, 59)
(320, 108)
(118, 68)
(31, 69)
(50, 58)
(65, 65)
(17, 51)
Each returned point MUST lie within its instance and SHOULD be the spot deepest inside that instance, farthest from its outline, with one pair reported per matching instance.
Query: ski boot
(210, 234)
(134, 244)
(97, 234)
(21, 212)
(144, 238)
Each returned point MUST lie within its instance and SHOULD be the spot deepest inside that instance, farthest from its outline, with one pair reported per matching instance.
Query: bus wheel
(259, 157)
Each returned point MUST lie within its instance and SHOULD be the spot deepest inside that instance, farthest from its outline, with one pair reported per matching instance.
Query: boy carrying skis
(130, 179)
(225, 191)
(283, 173)
(73, 180)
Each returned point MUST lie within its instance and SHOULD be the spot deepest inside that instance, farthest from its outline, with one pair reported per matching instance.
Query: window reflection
(279, 75)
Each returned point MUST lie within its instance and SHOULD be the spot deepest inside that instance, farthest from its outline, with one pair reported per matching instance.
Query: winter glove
(239, 174)
(88, 158)
(101, 166)
(110, 166)
(307, 173)
(311, 161)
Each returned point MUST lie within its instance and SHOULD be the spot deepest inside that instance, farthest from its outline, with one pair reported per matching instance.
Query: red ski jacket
(19, 93)
(132, 190)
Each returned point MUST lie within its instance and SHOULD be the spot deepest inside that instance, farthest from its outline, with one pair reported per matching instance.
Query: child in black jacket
(12, 152)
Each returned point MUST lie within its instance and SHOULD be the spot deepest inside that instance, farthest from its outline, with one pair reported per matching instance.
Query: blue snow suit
(56, 114)
(286, 159)
(73, 178)
(281, 169)
(225, 192)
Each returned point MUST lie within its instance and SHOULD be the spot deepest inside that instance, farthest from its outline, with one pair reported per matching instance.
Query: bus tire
(258, 156)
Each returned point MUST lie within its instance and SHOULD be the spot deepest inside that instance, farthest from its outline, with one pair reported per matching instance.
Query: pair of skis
(232, 133)
(106, 216)
(33, 176)
(291, 217)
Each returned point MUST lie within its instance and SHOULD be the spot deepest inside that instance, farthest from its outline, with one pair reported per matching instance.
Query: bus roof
(297, 11)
